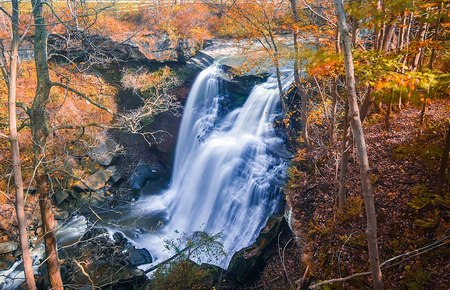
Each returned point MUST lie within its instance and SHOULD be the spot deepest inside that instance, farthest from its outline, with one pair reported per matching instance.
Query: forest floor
(332, 243)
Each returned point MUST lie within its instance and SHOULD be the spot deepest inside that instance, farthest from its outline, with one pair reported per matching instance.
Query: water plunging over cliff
(224, 177)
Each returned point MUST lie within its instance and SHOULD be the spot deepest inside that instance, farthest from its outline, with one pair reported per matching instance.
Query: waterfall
(224, 177)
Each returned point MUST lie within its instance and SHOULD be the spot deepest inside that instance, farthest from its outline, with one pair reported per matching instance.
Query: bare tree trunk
(361, 149)
(342, 193)
(334, 102)
(280, 85)
(389, 33)
(401, 35)
(40, 132)
(15, 150)
(444, 162)
(387, 117)
(366, 104)
(298, 84)
(422, 113)
(419, 55)
(435, 37)
(355, 32)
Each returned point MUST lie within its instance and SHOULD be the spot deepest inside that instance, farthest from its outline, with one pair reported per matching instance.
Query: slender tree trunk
(334, 102)
(387, 117)
(380, 37)
(422, 112)
(366, 104)
(40, 132)
(334, 93)
(435, 37)
(15, 150)
(361, 149)
(389, 33)
(342, 192)
(419, 55)
(444, 162)
(406, 38)
(280, 85)
(298, 84)
(401, 36)
(355, 32)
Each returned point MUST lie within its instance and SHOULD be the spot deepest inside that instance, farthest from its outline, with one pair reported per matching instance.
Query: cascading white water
(223, 178)
(223, 174)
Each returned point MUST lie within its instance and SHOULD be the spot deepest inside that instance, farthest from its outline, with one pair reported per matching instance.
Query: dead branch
(84, 272)
(84, 96)
(4, 136)
(73, 127)
(386, 264)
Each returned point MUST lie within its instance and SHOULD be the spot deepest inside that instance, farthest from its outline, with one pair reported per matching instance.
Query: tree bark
(387, 117)
(334, 103)
(401, 35)
(444, 162)
(389, 33)
(361, 149)
(342, 192)
(417, 59)
(298, 84)
(40, 132)
(435, 38)
(15, 149)
(366, 104)
(422, 112)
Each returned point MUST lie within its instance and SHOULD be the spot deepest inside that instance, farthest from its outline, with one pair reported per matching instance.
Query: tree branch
(84, 96)
(72, 127)
(23, 107)
(3, 136)
(6, 12)
(441, 242)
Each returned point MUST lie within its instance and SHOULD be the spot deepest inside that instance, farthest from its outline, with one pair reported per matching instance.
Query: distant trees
(298, 83)
(260, 21)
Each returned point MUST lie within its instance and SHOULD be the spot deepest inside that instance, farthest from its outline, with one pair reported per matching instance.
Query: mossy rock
(250, 259)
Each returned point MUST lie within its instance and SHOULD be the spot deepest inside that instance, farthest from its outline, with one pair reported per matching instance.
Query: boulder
(97, 180)
(8, 247)
(248, 260)
(6, 262)
(138, 257)
(61, 196)
(145, 173)
(116, 175)
(106, 151)
(95, 233)
(120, 239)
(61, 215)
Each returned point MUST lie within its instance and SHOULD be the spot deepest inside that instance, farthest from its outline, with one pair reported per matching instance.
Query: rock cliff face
(94, 49)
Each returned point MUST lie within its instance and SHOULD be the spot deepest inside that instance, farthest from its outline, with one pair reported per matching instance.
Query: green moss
(423, 196)
(354, 209)
(184, 274)
(416, 278)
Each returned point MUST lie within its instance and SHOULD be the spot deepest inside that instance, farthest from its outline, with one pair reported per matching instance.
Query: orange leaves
(192, 21)
(325, 63)
(110, 26)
